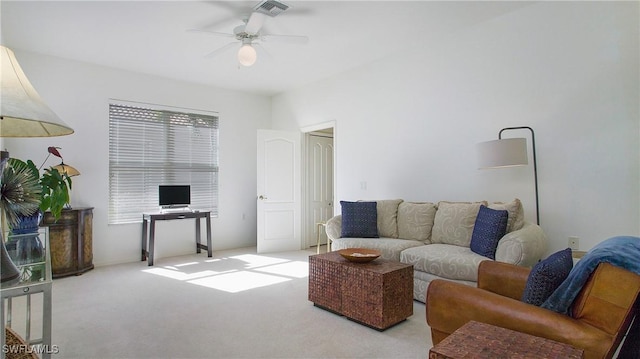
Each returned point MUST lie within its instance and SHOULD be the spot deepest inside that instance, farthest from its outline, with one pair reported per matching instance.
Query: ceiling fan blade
(263, 51)
(212, 32)
(290, 39)
(254, 23)
(217, 52)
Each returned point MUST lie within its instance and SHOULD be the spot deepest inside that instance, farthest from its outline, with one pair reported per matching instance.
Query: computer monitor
(174, 196)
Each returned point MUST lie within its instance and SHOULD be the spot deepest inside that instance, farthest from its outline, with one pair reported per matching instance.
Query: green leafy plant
(20, 191)
(55, 186)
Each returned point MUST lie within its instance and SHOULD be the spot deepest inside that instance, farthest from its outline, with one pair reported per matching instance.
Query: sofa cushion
(516, 214)
(389, 247)
(454, 222)
(388, 217)
(444, 260)
(415, 220)
(490, 226)
(546, 276)
(359, 219)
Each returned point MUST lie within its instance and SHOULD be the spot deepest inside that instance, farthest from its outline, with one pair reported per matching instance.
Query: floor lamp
(508, 153)
(22, 114)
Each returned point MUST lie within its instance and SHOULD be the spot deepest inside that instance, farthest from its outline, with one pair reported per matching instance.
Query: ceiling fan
(249, 33)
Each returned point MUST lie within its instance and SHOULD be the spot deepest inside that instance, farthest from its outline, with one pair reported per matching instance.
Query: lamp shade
(22, 111)
(66, 169)
(502, 153)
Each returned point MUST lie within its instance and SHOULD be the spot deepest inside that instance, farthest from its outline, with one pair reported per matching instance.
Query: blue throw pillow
(491, 225)
(546, 276)
(359, 219)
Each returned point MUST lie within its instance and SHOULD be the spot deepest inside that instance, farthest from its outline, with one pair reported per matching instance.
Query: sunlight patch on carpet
(292, 269)
(253, 260)
(174, 274)
(239, 281)
(187, 264)
(235, 273)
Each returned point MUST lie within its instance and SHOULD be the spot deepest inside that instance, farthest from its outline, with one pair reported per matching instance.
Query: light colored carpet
(235, 305)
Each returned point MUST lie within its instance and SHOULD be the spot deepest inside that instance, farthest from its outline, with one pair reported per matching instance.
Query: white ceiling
(150, 36)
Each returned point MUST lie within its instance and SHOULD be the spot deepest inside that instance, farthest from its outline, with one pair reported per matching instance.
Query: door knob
(262, 197)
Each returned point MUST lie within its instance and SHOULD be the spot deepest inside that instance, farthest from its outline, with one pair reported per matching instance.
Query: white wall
(79, 94)
(408, 125)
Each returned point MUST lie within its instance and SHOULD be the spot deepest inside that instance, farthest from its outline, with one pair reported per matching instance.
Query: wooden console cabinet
(71, 241)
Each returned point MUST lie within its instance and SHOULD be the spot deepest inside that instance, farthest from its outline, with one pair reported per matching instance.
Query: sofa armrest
(524, 247)
(505, 279)
(451, 305)
(334, 227)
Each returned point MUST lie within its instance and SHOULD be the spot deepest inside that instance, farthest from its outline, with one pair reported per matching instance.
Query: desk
(149, 222)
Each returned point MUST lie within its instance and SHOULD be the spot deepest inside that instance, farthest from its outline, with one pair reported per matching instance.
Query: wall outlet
(574, 243)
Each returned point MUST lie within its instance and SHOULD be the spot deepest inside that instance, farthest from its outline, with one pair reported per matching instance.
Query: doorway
(319, 182)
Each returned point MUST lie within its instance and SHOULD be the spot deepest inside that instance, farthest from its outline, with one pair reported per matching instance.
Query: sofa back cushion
(454, 222)
(415, 220)
(388, 217)
(516, 214)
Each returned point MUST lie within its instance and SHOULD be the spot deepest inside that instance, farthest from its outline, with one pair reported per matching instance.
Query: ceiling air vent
(270, 7)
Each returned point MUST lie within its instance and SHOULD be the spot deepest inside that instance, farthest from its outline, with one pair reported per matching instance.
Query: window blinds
(150, 147)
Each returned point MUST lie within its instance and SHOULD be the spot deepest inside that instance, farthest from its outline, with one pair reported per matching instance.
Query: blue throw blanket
(623, 251)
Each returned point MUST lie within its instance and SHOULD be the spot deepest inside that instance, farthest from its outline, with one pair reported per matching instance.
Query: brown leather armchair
(602, 312)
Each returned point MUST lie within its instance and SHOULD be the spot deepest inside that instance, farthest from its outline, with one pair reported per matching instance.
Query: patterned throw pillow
(359, 219)
(490, 227)
(546, 276)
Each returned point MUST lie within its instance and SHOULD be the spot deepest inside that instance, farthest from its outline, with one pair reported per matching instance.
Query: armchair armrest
(334, 227)
(450, 305)
(524, 247)
(504, 279)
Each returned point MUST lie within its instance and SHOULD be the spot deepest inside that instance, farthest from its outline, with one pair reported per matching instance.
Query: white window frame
(152, 145)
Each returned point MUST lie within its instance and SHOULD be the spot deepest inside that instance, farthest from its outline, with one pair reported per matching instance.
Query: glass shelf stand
(30, 253)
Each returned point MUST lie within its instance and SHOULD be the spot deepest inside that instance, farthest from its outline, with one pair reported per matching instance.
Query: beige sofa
(435, 239)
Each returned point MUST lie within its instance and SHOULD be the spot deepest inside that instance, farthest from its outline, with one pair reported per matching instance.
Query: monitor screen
(172, 195)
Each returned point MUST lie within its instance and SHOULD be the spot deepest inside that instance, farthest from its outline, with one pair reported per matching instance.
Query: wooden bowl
(359, 255)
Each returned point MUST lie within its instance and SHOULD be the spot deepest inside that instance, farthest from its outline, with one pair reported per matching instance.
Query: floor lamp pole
(535, 163)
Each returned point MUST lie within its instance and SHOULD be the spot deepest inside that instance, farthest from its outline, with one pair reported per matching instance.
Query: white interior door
(320, 186)
(279, 191)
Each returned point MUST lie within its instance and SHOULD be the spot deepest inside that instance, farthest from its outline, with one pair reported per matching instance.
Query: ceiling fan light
(247, 55)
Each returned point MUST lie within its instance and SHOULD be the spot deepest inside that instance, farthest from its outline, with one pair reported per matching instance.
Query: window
(149, 147)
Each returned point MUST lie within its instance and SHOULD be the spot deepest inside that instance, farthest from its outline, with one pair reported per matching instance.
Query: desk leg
(152, 238)
(209, 246)
(197, 235)
(144, 239)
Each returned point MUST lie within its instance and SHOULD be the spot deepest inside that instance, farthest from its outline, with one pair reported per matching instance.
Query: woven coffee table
(476, 340)
(378, 294)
